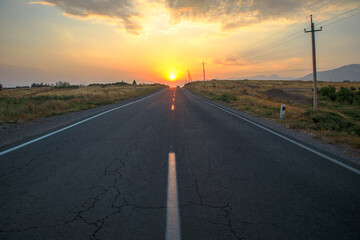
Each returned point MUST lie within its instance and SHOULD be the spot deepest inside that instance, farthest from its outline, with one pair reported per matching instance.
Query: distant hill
(347, 72)
(270, 77)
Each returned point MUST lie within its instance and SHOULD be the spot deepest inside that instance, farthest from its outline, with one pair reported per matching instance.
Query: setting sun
(172, 76)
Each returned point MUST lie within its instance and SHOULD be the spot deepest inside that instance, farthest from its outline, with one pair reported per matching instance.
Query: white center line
(172, 213)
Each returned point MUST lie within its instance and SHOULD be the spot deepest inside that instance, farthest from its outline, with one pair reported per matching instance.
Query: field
(24, 104)
(336, 121)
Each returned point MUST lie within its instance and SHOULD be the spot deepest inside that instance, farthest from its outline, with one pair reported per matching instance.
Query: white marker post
(282, 111)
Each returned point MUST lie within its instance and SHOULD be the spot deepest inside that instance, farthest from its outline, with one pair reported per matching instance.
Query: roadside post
(282, 111)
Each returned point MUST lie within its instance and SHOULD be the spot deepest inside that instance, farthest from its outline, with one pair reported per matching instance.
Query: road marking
(172, 107)
(283, 137)
(172, 209)
(73, 125)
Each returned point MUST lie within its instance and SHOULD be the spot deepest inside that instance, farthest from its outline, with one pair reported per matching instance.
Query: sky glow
(84, 41)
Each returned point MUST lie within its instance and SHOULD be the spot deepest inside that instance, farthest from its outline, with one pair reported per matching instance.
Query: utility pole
(189, 77)
(203, 69)
(312, 31)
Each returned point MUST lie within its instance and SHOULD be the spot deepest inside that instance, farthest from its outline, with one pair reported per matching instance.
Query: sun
(172, 76)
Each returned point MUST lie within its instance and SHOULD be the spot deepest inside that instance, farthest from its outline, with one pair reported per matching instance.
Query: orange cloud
(42, 2)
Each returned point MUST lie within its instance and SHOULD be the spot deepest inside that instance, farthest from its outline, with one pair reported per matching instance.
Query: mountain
(347, 72)
(270, 77)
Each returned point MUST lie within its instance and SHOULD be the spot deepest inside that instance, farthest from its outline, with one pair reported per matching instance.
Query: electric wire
(278, 44)
(251, 47)
(341, 14)
(253, 51)
(339, 20)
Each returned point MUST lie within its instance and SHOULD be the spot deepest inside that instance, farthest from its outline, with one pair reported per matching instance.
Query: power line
(281, 41)
(267, 38)
(341, 14)
(251, 47)
(253, 51)
(289, 40)
(339, 20)
(326, 6)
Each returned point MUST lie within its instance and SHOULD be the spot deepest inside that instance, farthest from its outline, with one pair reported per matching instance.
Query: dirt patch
(252, 86)
(285, 96)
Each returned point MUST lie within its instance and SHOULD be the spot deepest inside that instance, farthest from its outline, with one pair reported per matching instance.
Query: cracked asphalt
(107, 179)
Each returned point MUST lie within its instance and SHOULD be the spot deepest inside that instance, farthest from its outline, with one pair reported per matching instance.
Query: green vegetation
(337, 120)
(348, 95)
(327, 121)
(226, 97)
(23, 104)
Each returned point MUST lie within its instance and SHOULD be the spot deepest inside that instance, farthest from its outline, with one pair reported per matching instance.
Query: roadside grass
(336, 121)
(24, 104)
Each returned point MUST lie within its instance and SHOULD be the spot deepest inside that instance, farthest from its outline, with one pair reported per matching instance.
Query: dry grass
(24, 104)
(334, 122)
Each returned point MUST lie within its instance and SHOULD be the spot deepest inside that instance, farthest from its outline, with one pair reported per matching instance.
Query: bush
(226, 97)
(331, 121)
(38, 85)
(328, 91)
(345, 95)
(53, 97)
(333, 97)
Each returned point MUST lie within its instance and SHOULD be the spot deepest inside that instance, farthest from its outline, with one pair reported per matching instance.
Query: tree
(134, 82)
(61, 84)
(1, 86)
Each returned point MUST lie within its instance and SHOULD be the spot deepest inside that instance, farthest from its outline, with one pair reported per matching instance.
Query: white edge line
(72, 125)
(283, 137)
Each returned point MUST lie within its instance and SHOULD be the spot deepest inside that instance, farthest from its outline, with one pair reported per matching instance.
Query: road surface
(172, 166)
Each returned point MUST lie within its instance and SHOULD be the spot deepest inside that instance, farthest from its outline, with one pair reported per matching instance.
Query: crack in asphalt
(115, 169)
(226, 210)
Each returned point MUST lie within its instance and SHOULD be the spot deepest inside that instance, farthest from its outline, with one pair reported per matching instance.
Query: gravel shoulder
(15, 133)
(339, 151)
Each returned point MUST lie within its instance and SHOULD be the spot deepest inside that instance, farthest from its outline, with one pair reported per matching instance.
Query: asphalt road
(107, 178)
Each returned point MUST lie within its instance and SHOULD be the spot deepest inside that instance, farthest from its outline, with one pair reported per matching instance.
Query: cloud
(230, 14)
(237, 13)
(41, 2)
(120, 12)
(231, 62)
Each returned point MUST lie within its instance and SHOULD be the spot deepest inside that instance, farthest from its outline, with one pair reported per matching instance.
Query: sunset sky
(87, 41)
